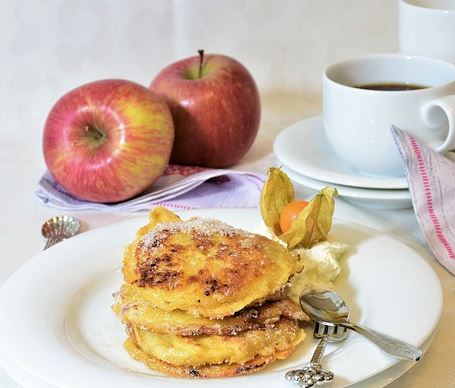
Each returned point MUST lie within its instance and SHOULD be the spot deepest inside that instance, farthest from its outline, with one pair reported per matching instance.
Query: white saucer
(304, 148)
(369, 198)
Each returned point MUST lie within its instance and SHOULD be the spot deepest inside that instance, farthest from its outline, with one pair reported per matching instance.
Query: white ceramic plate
(304, 148)
(56, 322)
(369, 198)
(20, 376)
(26, 380)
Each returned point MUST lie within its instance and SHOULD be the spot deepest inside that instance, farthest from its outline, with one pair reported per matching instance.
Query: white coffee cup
(427, 28)
(357, 121)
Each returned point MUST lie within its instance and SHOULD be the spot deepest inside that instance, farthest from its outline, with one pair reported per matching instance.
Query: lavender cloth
(180, 187)
(431, 179)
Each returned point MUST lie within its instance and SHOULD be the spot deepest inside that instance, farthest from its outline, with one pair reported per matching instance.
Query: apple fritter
(133, 311)
(203, 371)
(204, 266)
(215, 349)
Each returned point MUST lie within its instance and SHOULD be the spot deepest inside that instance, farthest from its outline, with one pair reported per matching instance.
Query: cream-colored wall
(50, 46)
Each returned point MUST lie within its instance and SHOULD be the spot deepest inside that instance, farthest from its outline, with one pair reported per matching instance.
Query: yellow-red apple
(107, 141)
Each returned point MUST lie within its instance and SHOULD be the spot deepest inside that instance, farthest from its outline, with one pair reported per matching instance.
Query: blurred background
(48, 47)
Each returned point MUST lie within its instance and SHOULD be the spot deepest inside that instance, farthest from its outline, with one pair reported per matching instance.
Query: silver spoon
(59, 228)
(329, 308)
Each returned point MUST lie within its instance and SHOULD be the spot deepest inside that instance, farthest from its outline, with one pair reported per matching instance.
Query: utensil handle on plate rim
(391, 345)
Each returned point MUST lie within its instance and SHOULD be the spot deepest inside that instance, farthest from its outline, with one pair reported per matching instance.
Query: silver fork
(312, 372)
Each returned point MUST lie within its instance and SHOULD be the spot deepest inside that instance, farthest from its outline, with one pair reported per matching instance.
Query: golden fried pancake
(204, 267)
(204, 299)
(203, 371)
(139, 313)
(215, 349)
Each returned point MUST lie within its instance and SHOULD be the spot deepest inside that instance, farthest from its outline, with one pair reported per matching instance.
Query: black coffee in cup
(392, 87)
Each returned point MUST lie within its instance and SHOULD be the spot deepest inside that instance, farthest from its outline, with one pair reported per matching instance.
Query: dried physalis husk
(311, 225)
(314, 222)
(276, 193)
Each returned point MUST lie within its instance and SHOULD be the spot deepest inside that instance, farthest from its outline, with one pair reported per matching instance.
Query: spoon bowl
(326, 307)
(329, 308)
(59, 228)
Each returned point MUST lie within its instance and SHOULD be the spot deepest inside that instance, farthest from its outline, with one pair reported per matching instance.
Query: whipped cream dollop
(320, 262)
(321, 268)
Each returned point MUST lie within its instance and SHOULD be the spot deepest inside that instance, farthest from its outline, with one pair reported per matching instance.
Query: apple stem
(94, 132)
(201, 61)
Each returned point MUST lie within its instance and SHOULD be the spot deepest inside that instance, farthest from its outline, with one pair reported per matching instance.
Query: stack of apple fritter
(203, 299)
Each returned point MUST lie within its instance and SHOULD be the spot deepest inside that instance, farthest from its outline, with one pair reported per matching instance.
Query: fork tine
(320, 328)
(339, 334)
(335, 333)
(341, 329)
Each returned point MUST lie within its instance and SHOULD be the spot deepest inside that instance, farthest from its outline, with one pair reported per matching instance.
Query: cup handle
(447, 105)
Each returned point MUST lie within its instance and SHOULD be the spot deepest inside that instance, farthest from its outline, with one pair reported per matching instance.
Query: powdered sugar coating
(203, 226)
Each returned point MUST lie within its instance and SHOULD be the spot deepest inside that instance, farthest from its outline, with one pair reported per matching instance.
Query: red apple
(108, 140)
(216, 109)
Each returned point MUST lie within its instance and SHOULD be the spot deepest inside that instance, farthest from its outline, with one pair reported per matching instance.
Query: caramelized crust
(204, 267)
(139, 313)
(203, 371)
(206, 354)
(218, 349)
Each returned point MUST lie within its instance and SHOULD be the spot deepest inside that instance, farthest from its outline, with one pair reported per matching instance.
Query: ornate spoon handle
(319, 350)
(312, 372)
(51, 241)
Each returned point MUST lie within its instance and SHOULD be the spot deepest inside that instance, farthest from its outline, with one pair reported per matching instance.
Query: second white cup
(427, 28)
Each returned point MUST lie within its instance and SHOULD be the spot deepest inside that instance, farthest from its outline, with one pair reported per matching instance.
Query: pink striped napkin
(431, 179)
